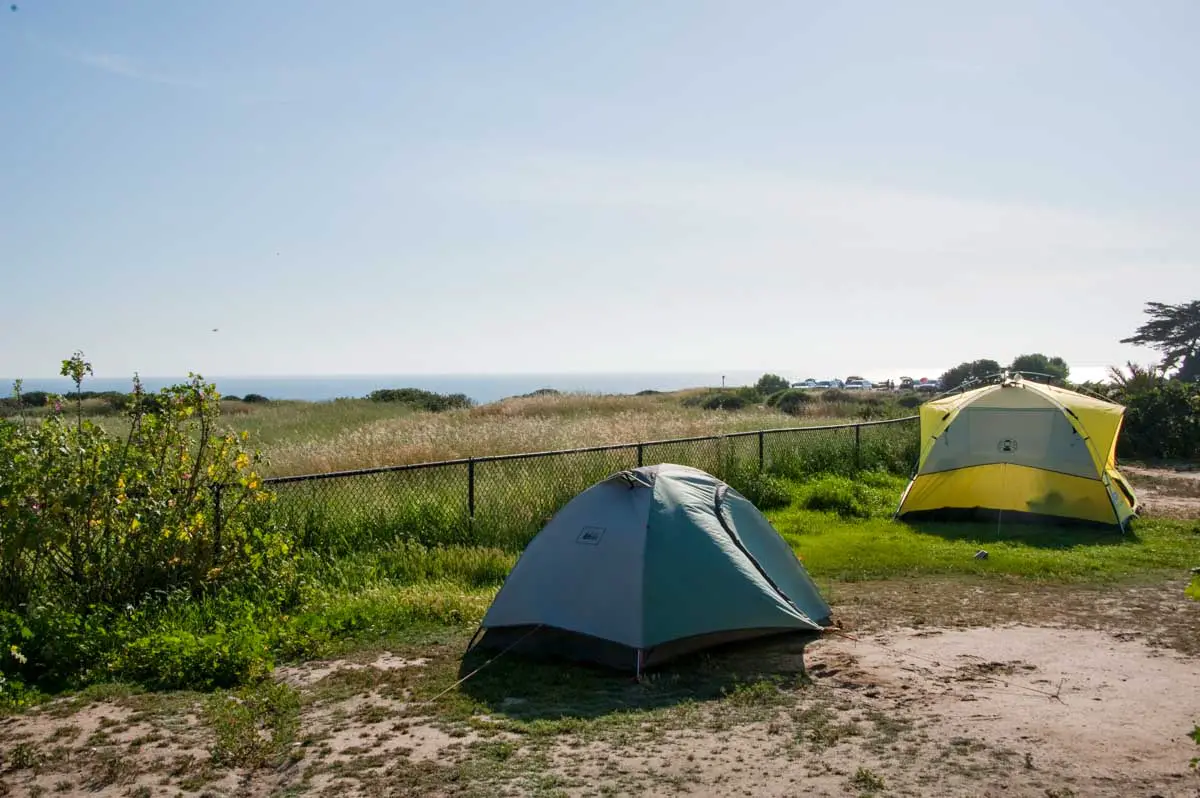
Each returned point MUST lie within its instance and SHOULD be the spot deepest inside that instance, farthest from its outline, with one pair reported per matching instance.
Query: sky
(402, 187)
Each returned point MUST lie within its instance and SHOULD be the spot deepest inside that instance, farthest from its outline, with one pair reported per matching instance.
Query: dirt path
(947, 692)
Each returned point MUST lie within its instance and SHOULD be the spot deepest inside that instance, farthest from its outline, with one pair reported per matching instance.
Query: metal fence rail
(502, 500)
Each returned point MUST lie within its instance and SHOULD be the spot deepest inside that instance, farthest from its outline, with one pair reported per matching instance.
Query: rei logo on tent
(590, 535)
(1008, 445)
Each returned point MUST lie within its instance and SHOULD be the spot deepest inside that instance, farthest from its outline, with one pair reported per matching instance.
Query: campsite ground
(960, 684)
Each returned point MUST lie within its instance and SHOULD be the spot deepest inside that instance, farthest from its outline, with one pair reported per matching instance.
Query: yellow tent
(1025, 448)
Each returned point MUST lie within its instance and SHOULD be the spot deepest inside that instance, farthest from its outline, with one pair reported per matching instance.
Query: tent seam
(718, 493)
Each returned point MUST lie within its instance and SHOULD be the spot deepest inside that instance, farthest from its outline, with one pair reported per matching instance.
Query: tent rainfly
(1020, 450)
(647, 565)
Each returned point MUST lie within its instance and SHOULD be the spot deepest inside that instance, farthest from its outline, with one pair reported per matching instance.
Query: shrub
(1162, 422)
(93, 527)
(836, 395)
(255, 398)
(723, 401)
(421, 399)
(791, 401)
(910, 401)
(841, 495)
(763, 490)
(770, 383)
(727, 399)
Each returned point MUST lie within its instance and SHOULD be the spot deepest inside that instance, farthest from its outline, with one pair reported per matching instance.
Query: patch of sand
(309, 673)
(1012, 711)
(1166, 492)
(1080, 699)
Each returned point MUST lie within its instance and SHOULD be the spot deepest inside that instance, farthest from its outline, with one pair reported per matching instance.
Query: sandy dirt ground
(946, 687)
(1167, 492)
(1053, 708)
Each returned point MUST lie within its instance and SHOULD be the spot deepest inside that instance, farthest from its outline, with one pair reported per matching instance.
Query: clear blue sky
(399, 187)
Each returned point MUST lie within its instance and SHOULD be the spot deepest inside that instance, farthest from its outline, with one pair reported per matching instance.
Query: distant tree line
(1033, 366)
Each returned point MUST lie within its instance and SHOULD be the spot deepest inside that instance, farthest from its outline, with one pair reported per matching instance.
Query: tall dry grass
(509, 427)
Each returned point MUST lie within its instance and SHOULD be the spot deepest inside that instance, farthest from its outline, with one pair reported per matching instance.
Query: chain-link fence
(504, 500)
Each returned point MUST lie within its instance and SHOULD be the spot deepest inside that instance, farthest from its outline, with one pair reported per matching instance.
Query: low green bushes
(725, 399)
(99, 534)
(792, 401)
(849, 498)
(1162, 422)
(420, 399)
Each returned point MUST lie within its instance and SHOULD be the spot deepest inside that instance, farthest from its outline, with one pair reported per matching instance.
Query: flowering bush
(93, 523)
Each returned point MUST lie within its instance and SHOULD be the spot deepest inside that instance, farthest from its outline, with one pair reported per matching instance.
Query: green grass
(369, 595)
(834, 546)
(385, 587)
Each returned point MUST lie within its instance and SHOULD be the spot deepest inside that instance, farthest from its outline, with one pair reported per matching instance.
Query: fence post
(471, 489)
(760, 451)
(857, 447)
(216, 489)
(639, 447)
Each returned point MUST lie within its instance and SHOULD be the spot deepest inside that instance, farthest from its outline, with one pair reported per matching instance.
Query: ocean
(481, 388)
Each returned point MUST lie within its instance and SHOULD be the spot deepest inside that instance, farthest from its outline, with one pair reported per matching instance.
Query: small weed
(254, 725)
(818, 727)
(372, 713)
(111, 768)
(887, 729)
(196, 779)
(69, 731)
(24, 756)
(866, 780)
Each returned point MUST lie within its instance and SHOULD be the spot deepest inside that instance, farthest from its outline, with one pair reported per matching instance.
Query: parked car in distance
(809, 383)
(906, 383)
(928, 385)
(859, 384)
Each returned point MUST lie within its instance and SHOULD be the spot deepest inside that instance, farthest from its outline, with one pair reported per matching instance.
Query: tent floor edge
(992, 514)
(552, 644)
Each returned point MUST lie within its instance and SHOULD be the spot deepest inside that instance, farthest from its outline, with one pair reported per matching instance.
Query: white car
(859, 385)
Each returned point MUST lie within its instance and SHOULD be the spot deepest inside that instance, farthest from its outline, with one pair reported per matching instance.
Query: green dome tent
(647, 565)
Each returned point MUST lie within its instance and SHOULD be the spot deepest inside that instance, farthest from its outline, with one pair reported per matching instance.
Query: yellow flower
(243, 461)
